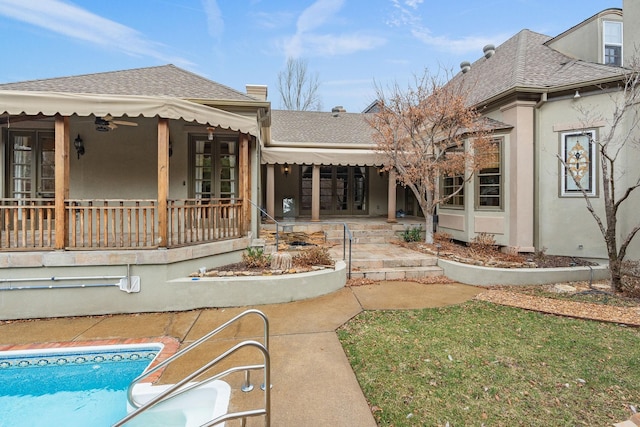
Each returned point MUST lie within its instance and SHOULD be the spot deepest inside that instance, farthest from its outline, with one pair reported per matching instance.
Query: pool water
(81, 387)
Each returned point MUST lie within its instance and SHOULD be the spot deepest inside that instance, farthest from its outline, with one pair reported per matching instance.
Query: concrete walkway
(313, 384)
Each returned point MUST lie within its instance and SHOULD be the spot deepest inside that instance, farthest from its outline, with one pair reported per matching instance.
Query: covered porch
(115, 196)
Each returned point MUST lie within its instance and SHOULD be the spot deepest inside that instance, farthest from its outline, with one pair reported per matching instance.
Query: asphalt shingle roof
(525, 62)
(165, 80)
(320, 127)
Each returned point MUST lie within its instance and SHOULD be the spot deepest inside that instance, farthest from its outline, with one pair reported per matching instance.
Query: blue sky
(350, 44)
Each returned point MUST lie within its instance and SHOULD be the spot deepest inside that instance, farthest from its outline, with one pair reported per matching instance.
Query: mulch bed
(580, 310)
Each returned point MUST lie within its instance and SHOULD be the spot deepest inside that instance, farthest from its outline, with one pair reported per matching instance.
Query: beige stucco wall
(585, 40)
(564, 225)
(631, 30)
(123, 163)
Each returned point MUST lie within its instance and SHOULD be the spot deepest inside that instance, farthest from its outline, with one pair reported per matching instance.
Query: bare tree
(298, 87)
(613, 145)
(428, 132)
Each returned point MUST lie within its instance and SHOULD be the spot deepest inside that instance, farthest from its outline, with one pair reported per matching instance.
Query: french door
(31, 165)
(343, 190)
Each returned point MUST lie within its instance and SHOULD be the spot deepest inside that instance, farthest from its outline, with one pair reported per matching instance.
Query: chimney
(258, 92)
(465, 66)
(489, 50)
(337, 110)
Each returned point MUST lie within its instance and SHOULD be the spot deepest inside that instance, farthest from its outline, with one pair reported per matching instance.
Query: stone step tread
(397, 273)
(393, 263)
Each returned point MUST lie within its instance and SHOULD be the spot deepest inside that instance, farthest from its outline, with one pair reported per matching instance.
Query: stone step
(372, 264)
(397, 273)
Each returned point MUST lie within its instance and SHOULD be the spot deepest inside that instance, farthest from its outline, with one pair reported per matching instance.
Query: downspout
(536, 171)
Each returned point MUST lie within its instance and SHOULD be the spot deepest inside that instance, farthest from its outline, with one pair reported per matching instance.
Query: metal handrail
(195, 344)
(177, 389)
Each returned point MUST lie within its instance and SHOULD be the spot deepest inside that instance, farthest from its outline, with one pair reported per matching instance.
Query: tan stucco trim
(565, 127)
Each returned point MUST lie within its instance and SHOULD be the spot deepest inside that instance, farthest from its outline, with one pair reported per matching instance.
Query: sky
(352, 46)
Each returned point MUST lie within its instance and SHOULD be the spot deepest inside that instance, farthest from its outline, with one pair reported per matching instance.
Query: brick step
(397, 273)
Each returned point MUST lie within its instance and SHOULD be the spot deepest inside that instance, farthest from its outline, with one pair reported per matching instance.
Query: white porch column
(271, 190)
(391, 203)
(315, 193)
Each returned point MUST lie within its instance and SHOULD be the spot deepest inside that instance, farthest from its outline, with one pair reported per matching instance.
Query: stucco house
(145, 175)
(538, 85)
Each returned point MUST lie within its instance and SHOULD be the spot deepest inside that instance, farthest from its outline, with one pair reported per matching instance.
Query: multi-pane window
(612, 35)
(32, 164)
(489, 179)
(578, 169)
(451, 184)
(214, 167)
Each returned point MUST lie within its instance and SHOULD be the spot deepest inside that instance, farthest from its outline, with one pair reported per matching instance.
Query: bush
(413, 234)
(483, 242)
(256, 258)
(313, 256)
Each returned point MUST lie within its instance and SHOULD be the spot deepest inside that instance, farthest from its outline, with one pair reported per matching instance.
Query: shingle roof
(525, 62)
(165, 80)
(320, 127)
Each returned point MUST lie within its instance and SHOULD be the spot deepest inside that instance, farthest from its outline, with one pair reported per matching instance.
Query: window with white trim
(612, 40)
(453, 185)
(578, 151)
(489, 180)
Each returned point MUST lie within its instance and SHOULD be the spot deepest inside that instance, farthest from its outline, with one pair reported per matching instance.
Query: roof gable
(526, 62)
(165, 80)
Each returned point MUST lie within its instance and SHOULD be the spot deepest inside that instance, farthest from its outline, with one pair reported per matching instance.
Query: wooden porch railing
(112, 223)
(104, 224)
(27, 224)
(193, 221)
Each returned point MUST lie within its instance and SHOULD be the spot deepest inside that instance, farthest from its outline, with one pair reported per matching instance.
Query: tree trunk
(428, 231)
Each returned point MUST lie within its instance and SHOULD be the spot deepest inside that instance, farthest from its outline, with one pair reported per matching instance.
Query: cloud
(406, 16)
(468, 44)
(317, 14)
(77, 23)
(215, 23)
(308, 41)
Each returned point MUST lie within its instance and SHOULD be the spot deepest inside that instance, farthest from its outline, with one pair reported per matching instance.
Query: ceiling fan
(107, 123)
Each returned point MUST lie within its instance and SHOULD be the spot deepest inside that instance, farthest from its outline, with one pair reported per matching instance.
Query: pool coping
(170, 346)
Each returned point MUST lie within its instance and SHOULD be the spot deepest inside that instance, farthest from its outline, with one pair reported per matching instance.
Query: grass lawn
(483, 364)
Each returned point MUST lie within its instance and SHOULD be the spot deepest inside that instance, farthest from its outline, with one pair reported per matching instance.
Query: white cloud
(215, 23)
(406, 16)
(317, 14)
(307, 41)
(75, 22)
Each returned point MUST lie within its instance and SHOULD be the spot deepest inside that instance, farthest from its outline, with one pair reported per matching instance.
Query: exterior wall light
(78, 143)
(285, 169)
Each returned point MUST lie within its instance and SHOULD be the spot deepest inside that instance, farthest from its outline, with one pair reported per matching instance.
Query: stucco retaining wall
(486, 276)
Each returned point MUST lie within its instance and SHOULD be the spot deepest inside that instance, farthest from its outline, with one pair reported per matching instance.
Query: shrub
(412, 234)
(483, 242)
(313, 256)
(256, 258)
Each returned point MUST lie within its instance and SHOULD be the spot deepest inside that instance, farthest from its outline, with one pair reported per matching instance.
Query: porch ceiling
(321, 156)
(83, 104)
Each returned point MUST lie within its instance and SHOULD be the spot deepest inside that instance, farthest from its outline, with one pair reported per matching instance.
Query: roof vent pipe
(489, 50)
(465, 66)
(337, 110)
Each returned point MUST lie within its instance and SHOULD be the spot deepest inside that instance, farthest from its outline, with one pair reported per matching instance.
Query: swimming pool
(72, 387)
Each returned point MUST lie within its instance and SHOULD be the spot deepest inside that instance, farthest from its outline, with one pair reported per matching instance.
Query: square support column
(315, 193)
(62, 181)
(271, 190)
(391, 202)
(163, 181)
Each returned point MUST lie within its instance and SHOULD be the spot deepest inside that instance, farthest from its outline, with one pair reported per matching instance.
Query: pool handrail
(177, 389)
(165, 363)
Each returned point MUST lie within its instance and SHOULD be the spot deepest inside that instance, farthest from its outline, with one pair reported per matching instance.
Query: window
(453, 185)
(489, 180)
(578, 153)
(31, 164)
(612, 35)
(214, 167)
